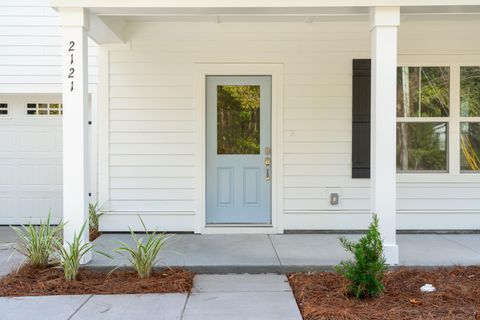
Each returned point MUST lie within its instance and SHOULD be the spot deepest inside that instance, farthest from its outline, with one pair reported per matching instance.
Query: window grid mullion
(454, 125)
(423, 119)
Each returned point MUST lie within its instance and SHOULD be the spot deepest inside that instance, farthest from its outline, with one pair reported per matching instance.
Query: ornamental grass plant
(71, 253)
(144, 254)
(94, 214)
(38, 243)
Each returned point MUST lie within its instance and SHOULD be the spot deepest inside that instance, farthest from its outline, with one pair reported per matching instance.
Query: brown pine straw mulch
(93, 234)
(322, 296)
(29, 281)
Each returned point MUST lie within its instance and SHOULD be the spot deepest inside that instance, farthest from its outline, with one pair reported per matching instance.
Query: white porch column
(76, 173)
(384, 22)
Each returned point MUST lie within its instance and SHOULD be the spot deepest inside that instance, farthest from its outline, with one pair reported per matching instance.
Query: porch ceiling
(107, 17)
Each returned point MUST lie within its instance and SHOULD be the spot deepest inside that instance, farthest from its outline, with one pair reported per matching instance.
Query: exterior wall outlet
(334, 198)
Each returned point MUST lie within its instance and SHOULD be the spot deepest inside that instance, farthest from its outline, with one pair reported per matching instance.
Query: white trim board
(202, 70)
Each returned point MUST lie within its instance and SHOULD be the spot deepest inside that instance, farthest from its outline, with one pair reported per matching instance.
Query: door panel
(238, 143)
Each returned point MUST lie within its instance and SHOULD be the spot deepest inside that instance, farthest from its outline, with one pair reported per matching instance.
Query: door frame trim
(202, 70)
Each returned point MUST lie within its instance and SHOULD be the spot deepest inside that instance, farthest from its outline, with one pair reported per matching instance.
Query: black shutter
(361, 118)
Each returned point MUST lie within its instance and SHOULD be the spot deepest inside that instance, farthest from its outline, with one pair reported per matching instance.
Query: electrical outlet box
(334, 198)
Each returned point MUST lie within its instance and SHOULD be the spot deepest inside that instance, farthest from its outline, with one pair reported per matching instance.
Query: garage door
(30, 158)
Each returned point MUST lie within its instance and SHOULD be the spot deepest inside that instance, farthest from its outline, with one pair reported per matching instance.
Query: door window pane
(470, 91)
(238, 119)
(421, 146)
(470, 146)
(423, 91)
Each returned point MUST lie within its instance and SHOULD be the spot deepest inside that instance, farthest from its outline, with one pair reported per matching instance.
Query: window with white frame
(44, 109)
(469, 119)
(4, 111)
(423, 116)
(427, 120)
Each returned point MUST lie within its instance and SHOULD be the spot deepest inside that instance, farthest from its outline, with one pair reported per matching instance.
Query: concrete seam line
(275, 250)
(458, 243)
(185, 306)
(80, 307)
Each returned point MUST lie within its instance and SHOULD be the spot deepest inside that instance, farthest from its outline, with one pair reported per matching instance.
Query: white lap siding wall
(30, 72)
(30, 48)
(152, 160)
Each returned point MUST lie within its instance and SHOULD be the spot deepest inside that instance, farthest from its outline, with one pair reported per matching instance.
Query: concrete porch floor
(255, 253)
(258, 253)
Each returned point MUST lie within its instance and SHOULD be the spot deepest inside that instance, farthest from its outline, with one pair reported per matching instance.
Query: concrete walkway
(228, 297)
(292, 252)
(225, 296)
(8, 261)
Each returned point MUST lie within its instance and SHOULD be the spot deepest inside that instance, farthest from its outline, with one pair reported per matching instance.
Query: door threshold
(243, 228)
(238, 225)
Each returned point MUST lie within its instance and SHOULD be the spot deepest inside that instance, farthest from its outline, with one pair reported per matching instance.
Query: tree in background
(238, 119)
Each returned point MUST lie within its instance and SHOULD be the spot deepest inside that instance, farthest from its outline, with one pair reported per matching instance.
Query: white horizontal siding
(152, 111)
(152, 142)
(30, 48)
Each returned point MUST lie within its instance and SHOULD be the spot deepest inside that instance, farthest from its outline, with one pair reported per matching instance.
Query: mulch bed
(323, 295)
(29, 281)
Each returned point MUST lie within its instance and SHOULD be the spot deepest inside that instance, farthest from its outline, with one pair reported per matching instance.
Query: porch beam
(107, 30)
(74, 24)
(384, 22)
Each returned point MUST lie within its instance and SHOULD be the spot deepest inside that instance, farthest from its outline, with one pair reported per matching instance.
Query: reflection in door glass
(238, 119)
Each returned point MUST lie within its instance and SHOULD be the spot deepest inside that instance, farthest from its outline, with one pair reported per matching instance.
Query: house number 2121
(71, 73)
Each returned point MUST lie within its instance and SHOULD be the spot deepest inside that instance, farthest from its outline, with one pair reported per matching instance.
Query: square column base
(391, 254)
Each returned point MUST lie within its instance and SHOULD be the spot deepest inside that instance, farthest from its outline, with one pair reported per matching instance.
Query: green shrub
(72, 253)
(365, 273)
(94, 214)
(143, 255)
(37, 243)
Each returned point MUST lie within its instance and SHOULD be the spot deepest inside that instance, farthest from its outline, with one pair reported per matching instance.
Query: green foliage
(365, 273)
(423, 91)
(470, 146)
(37, 243)
(143, 255)
(421, 146)
(470, 91)
(238, 119)
(94, 214)
(72, 253)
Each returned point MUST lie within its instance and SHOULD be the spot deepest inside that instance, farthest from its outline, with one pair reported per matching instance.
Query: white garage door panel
(7, 140)
(30, 163)
(7, 176)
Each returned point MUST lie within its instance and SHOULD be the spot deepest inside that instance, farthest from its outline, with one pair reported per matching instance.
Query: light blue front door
(238, 153)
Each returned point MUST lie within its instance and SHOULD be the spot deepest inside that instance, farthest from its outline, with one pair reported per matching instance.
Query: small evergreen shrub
(366, 271)
(37, 243)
